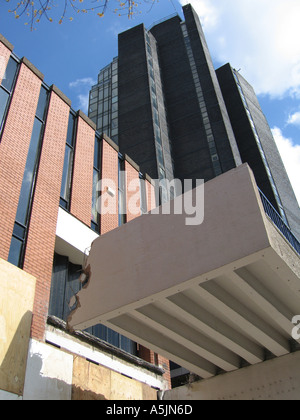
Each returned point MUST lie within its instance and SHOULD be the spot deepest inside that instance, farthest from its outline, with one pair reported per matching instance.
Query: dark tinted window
(70, 134)
(10, 73)
(3, 102)
(40, 112)
(29, 172)
(15, 251)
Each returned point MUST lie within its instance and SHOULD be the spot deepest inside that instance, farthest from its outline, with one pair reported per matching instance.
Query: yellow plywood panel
(149, 393)
(123, 388)
(94, 382)
(17, 290)
(90, 381)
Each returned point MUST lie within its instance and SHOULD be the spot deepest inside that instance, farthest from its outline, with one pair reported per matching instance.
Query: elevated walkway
(212, 297)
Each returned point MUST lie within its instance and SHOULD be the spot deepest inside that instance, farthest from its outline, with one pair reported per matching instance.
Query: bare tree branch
(35, 10)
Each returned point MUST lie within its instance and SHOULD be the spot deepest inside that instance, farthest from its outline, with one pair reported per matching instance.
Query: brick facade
(14, 148)
(109, 172)
(82, 184)
(41, 234)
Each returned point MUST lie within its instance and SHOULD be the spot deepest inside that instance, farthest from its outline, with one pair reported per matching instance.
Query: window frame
(9, 92)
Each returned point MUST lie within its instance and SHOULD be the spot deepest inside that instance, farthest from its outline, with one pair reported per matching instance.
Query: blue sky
(260, 37)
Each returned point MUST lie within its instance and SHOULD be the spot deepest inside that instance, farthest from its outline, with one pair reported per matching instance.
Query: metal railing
(279, 223)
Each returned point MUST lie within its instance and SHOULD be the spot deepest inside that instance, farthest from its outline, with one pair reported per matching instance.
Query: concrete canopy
(209, 297)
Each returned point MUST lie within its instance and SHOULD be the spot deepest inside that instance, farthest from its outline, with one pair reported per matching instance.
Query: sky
(259, 37)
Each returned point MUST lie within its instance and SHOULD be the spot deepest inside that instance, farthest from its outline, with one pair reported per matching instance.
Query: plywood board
(17, 290)
(96, 382)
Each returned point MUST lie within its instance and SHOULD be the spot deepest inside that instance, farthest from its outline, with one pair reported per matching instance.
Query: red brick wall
(13, 150)
(42, 229)
(82, 185)
(165, 364)
(109, 171)
(157, 360)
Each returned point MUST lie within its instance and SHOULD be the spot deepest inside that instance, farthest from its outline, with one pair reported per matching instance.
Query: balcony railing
(279, 223)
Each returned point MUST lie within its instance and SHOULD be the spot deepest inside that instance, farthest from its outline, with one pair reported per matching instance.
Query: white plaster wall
(49, 373)
(112, 362)
(73, 238)
(8, 396)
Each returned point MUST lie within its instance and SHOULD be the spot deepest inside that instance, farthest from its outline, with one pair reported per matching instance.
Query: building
(220, 299)
(170, 114)
(51, 159)
(256, 144)
(178, 117)
(95, 301)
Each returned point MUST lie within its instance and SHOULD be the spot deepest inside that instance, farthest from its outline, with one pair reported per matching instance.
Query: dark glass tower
(257, 146)
(167, 108)
(172, 119)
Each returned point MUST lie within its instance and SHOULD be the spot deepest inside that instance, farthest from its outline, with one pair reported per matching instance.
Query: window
(6, 89)
(143, 193)
(122, 192)
(106, 74)
(106, 92)
(159, 154)
(114, 123)
(17, 247)
(114, 107)
(3, 103)
(156, 119)
(68, 164)
(100, 107)
(149, 50)
(65, 284)
(95, 223)
(93, 107)
(94, 94)
(202, 105)
(29, 172)
(106, 106)
(115, 65)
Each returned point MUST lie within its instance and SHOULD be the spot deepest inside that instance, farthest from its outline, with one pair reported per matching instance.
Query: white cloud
(86, 81)
(290, 154)
(83, 102)
(294, 119)
(82, 87)
(260, 37)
